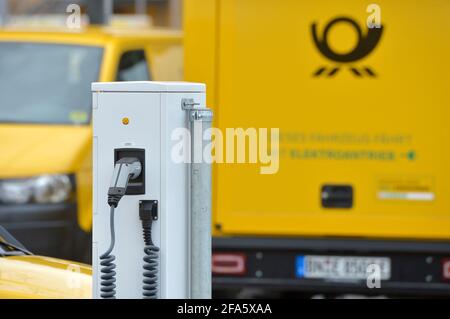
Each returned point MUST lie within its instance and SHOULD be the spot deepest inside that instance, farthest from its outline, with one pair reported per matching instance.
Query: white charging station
(134, 121)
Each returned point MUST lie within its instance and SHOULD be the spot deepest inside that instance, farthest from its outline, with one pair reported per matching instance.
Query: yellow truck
(359, 92)
(45, 131)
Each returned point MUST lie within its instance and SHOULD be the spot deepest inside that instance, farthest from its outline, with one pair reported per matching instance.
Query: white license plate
(342, 267)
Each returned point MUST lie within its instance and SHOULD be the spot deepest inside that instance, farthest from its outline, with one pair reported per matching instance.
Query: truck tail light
(229, 263)
(446, 268)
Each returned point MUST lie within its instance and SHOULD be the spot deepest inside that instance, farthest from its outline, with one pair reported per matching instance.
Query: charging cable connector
(125, 169)
(148, 212)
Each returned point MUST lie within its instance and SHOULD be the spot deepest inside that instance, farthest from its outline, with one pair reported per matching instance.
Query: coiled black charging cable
(148, 212)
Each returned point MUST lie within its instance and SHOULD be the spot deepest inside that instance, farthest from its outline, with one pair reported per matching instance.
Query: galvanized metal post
(200, 122)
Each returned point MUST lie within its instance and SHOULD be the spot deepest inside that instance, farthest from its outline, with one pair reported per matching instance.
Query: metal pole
(141, 7)
(4, 11)
(200, 120)
(175, 14)
(108, 10)
(100, 11)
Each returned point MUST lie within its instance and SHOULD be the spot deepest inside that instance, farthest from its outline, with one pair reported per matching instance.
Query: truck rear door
(363, 117)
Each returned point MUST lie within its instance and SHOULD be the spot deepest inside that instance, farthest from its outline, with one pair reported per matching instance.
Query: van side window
(133, 67)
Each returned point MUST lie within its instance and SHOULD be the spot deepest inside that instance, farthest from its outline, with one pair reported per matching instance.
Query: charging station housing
(137, 119)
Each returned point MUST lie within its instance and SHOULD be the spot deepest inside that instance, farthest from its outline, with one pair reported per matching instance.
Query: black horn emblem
(366, 43)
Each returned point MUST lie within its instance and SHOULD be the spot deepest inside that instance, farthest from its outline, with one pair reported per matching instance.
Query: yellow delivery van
(45, 132)
(359, 92)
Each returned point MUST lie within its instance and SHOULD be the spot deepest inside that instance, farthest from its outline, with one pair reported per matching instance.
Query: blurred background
(359, 205)
(161, 13)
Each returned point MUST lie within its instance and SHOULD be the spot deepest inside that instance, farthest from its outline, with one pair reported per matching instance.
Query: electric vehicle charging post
(152, 215)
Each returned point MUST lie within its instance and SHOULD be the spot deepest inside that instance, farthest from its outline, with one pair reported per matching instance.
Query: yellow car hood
(43, 277)
(28, 150)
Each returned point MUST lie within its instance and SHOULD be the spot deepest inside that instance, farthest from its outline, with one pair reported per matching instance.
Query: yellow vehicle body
(34, 149)
(378, 123)
(35, 277)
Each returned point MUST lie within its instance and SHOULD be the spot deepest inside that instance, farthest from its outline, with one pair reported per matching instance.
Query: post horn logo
(365, 44)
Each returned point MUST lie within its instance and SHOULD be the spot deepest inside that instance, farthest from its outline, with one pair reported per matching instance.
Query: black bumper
(416, 265)
(44, 229)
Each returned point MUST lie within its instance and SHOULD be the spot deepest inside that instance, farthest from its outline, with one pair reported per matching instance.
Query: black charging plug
(125, 169)
(148, 210)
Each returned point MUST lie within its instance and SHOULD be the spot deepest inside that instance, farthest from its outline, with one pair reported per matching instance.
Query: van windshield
(47, 83)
